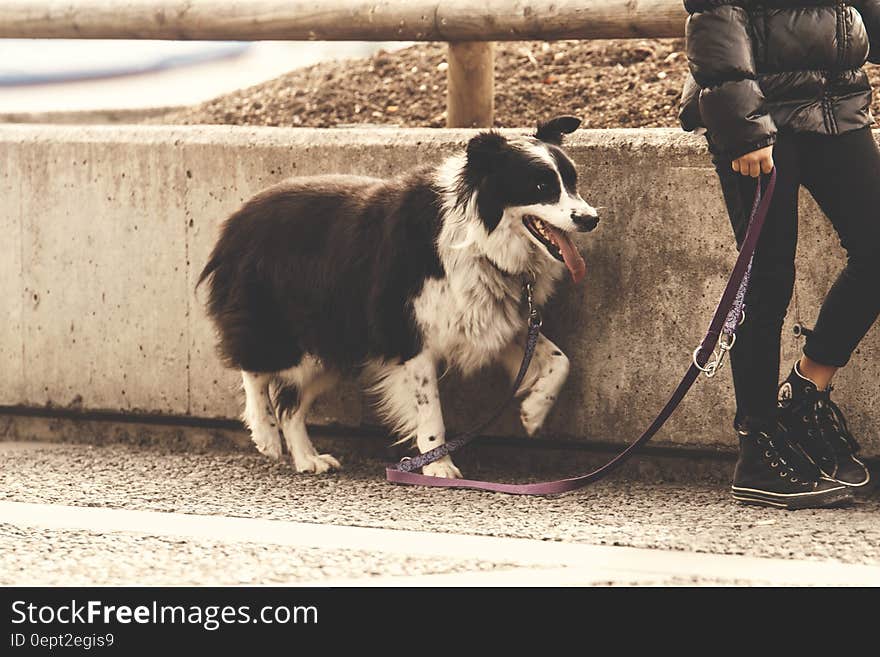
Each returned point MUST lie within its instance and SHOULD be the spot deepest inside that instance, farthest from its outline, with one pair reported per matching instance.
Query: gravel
(622, 83)
(625, 83)
(696, 516)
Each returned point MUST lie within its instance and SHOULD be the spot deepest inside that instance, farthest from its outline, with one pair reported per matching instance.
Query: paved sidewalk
(116, 514)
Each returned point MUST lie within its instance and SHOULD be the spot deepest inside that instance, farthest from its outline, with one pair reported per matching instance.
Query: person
(782, 84)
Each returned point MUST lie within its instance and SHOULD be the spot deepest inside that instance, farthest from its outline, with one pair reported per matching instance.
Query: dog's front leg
(410, 400)
(430, 430)
(545, 378)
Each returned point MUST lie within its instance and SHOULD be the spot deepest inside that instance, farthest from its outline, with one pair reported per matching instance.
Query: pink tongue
(570, 255)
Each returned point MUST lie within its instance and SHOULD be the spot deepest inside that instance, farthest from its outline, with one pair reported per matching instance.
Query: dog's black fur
(324, 265)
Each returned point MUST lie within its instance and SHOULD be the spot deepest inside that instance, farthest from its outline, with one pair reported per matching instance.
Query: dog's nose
(585, 222)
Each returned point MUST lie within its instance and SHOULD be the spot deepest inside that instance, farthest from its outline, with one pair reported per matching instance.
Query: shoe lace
(779, 454)
(828, 419)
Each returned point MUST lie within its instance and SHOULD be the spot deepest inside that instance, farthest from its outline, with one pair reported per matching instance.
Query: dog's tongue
(573, 260)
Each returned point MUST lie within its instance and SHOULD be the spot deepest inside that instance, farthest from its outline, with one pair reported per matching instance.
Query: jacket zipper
(828, 112)
(842, 46)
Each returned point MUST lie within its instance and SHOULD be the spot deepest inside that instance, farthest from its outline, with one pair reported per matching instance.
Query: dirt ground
(623, 83)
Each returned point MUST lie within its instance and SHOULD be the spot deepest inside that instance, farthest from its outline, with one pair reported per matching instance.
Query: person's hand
(755, 163)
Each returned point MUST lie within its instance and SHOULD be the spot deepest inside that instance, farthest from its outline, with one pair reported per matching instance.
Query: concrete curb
(108, 227)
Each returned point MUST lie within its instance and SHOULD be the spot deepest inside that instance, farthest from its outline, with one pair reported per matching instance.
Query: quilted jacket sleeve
(870, 11)
(721, 60)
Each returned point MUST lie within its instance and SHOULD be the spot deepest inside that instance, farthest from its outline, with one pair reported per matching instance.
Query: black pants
(842, 172)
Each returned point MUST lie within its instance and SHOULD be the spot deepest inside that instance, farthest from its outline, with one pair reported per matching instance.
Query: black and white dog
(322, 276)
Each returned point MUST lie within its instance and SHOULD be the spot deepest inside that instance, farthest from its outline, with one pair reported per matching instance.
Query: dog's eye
(541, 187)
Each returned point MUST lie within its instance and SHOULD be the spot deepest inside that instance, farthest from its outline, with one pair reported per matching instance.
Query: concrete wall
(104, 230)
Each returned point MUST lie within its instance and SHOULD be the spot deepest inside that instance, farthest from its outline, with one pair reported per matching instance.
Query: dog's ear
(489, 205)
(483, 153)
(551, 131)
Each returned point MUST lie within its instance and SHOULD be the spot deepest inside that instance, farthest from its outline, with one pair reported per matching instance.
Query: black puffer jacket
(758, 66)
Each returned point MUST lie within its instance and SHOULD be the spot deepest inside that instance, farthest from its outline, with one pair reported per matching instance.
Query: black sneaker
(770, 473)
(817, 427)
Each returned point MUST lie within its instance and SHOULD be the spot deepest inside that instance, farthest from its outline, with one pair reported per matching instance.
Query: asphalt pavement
(116, 514)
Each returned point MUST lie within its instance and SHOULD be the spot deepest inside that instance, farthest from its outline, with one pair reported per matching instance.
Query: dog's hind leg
(259, 415)
(409, 400)
(545, 378)
(308, 380)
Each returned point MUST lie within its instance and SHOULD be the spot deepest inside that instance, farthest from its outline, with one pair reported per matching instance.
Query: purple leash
(729, 314)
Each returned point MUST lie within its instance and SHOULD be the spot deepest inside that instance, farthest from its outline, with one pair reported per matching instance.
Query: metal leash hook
(535, 318)
(712, 366)
(723, 348)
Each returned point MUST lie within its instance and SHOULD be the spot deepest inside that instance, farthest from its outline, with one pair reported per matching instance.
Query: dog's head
(525, 193)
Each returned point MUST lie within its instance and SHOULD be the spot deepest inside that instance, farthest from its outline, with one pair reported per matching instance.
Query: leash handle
(732, 297)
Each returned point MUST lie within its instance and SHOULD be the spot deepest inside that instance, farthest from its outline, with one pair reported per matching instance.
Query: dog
(323, 276)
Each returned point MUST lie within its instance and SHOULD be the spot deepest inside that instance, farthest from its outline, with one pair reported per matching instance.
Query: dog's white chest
(468, 325)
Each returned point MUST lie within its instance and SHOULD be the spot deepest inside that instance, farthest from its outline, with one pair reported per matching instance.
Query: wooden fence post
(470, 85)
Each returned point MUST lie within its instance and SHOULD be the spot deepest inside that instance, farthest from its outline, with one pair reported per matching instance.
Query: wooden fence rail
(458, 22)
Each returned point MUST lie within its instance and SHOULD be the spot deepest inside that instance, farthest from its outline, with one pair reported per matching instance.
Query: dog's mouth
(557, 244)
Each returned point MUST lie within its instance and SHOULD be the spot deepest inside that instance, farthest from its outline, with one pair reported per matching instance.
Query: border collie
(318, 277)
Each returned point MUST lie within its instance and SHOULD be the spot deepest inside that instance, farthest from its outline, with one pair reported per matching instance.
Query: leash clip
(711, 368)
(535, 319)
(405, 464)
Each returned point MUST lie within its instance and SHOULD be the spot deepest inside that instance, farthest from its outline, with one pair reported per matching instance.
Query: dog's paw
(442, 468)
(533, 412)
(316, 463)
(268, 443)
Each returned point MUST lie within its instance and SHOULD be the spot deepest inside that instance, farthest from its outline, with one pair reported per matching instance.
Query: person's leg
(767, 471)
(843, 174)
(755, 359)
(817, 372)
